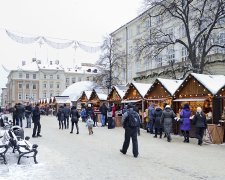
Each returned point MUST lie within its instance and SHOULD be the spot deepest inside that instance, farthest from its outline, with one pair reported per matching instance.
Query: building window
(51, 76)
(51, 94)
(34, 96)
(34, 76)
(159, 61)
(20, 96)
(67, 80)
(58, 76)
(44, 85)
(20, 85)
(170, 54)
(44, 94)
(184, 54)
(51, 85)
(57, 86)
(182, 31)
(130, 33)
(34, 86)
(20, 75)
(27, 76)
(27, 86)
(73, 80)
(27, 96)
(45, 76)
(138, 29)
(79, 78)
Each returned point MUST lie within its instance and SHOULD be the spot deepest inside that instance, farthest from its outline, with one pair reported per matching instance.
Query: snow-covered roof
(62, 99)
(101, 96)
(170, 84)
(74, 91)
(212, 82)
(121, 89)
(88, 94)
(32, 66)
(142, 88)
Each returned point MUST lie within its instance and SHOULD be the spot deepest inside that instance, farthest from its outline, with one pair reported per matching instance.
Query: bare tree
(200, 20)
(110, 62)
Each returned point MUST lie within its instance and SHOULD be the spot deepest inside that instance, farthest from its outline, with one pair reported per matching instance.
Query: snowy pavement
(65, 156)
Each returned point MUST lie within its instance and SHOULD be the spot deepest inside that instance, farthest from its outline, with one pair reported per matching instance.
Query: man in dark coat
(66, 112)
(130, 131)
(156, 122)
(28, 112)
(36, 120)
(20, 110)
(103, 109)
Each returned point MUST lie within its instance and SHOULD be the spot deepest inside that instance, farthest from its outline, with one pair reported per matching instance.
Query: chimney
(23, 63)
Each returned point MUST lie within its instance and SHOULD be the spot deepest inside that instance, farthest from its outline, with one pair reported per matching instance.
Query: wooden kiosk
(115, 96)
(96, 99)
(161, 93)
(199, 90)
(135, 94)
(61, 100)
(84, 98)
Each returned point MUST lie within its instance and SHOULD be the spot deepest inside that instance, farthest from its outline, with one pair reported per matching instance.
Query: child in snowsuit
(89, 124)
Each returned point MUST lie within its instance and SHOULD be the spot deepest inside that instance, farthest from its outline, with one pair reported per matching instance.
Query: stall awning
(130, 101)
(189, 99)
(159, 99)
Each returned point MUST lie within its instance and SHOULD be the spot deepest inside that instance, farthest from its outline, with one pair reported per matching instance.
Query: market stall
(161, 93)
(61, 100)
(97, 97)
(199, 90)
(135, 94)
(115, 97)
(221, 95)
(83, 99)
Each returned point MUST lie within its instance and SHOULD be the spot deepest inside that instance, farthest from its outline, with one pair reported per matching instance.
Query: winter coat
(89, 123)
(36, 114)
(125, 119)
(66, 112)
(28, 110)
(113, 111)
(20, 110)
(199, 120)
(157, 117)
(103, 109)
(83, 113)
(151, 110)
(74, 114)
(60, 114)
(90, 112)
(167, 119)
(185, 119)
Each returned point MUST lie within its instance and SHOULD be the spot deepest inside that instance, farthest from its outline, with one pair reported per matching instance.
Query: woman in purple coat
(185, 125)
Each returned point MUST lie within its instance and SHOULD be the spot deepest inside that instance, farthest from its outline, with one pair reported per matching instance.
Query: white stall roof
(142, 88)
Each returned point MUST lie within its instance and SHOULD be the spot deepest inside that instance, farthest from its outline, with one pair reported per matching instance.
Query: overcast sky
(82, 20)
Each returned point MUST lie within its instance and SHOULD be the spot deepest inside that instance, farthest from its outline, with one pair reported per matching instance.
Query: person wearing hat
(131, 130)
(167, 121)
(200, 123)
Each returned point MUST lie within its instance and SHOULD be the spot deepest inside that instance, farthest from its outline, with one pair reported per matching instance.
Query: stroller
(5, 123)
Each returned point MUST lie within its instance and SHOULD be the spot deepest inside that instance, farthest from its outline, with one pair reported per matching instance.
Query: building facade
(145, 68)
(37, 80)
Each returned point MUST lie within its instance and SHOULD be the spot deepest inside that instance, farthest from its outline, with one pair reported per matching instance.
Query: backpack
(132, 119)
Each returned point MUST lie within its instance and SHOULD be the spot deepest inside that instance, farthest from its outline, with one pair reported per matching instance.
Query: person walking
(151, 110)
(61, 117)
(83, 114)
(89, 124)
(185, 123)
(14, 116)
(28, 114)
(103, 109)
(200, 123)
(66, 112)
(167, 120)
(157, 123)
(36, 120)
(130, 124)
(110, 117)
(74, 114)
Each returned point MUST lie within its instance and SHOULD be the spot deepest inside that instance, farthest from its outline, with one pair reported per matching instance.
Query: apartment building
(146, 68)
(39, 80)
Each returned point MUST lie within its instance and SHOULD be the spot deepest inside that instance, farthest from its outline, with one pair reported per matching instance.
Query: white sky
(81, 20)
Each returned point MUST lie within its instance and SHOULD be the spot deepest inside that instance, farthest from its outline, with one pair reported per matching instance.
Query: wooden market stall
(161, 93)
(83, 99)
(135, 94)
(115, 96)
(221, 95)
(200, 90)
(97, 97)
(61, 100)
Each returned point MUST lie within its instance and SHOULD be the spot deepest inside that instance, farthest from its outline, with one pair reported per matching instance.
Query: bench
(23, 146)
(4, 141)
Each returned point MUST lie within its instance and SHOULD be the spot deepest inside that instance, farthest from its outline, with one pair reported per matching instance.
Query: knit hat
(167, 106)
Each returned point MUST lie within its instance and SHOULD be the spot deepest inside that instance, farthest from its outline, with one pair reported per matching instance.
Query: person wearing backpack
(74, 114)
(130, 124)
(60, 115)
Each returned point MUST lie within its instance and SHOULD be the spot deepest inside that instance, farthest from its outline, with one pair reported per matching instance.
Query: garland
(53, 44)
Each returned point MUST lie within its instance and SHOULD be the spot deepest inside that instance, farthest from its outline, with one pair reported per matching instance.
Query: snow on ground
(65, 156)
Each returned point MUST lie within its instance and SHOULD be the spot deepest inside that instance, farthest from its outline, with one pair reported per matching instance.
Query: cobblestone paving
(65, 156)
